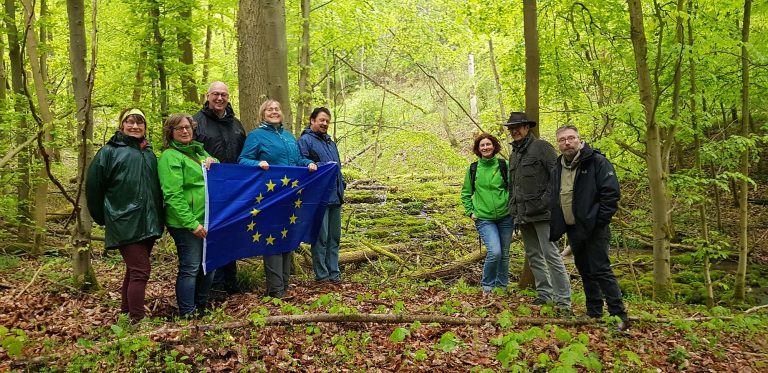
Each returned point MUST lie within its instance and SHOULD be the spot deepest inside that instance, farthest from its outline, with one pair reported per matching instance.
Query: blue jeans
(497, 235)
(192, 286)
(325, 251)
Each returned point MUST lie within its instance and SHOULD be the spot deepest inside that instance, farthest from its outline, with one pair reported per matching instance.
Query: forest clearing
(672, 94)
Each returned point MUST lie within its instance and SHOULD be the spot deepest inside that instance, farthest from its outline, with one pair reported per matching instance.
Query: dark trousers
(137, 268)
(591, 257)
(192, 286)
(225, 278)
(277, 270)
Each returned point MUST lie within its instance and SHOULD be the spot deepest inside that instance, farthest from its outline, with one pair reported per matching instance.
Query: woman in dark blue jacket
(317, 145)
(271, 144)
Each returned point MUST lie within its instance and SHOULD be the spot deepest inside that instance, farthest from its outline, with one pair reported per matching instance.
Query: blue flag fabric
(252, 212)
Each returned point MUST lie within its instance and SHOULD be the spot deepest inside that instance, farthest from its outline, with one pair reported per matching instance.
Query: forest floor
(45, 324)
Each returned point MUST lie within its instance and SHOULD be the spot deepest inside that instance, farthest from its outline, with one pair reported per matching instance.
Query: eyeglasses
(221, 94)
(132, 123)
(563, 140)
(182, 128)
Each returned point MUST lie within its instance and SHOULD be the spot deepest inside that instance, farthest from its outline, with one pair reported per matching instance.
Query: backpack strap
(189, 156)
(473, 175)
(504, 171)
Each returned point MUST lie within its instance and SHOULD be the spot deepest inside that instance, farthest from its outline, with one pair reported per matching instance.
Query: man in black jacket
(586, 195)
(223, 137)
(530, 166)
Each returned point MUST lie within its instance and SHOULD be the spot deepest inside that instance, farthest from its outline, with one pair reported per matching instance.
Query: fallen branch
(451, 268)
(756, 308)
(34, 277)
(383, 251)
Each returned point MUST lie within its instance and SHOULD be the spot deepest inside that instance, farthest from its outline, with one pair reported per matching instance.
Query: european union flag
(251, 212)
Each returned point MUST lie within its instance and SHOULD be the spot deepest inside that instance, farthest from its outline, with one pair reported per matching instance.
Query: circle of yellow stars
(270, 240)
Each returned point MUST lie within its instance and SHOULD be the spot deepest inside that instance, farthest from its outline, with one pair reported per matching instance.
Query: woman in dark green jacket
(123, 194)
(181, 177)
(485, 197)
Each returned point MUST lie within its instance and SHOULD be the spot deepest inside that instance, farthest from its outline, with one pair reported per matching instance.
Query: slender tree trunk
(41, 181)
(677, 82)
(139, 77)
(207, 56)
(25, 180)
(531, 36)
(305, 94)
(656, 175)
(499, 91)
(84, 276)
(472, 88)
(741, 272)
(262, 59)
(697, 158)
(187, 57)
(154, 13)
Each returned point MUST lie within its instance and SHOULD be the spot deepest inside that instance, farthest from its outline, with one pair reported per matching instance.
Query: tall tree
(262, 59)
(36, 63)
(84, 276)
(305, 89)
(159, 40)
(532, 59)
(741, 272)
(653, 155)
(184, 40)
(17, 85)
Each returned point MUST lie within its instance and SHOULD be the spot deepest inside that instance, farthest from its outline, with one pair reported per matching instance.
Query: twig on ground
(30, 281)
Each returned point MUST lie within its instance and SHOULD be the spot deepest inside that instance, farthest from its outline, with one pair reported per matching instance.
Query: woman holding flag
(271, 144)
(181, 178)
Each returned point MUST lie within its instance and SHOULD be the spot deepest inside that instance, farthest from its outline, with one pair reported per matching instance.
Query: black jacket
(595, 196)
(530, 167)
(222, 138)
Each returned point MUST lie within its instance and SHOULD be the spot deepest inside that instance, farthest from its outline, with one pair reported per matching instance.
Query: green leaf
(399, 334)
(449, 342)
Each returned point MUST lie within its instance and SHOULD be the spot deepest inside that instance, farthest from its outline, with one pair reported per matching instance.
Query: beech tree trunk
(499, 91)
(159, 40)
(262, 59)
(41, 181)
(17, 85)
(531, 36)
(139, 77)
(84, 276)
(186, 58)
(741, 272)
(207, 55)
(653, 155)
(305, 93)
(697, 158)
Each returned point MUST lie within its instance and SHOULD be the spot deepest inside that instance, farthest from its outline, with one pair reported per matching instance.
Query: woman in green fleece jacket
(485, 197)
(181, 178)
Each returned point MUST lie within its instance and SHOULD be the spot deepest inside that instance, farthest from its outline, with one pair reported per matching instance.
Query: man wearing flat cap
(530, 166)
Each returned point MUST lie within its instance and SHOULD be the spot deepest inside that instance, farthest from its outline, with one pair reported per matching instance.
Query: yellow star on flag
(297, 203)
(285, 180)
(270, 240)
(270, 186)
(295, 183)
(300, 190)
(250, 226)
(293, 218)
(284, 232)
(256, 237)
(259, 198)
(255, 212)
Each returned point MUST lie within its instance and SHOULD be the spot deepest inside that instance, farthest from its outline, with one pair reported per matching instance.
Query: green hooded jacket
(490, 199)
(123, 191)
(183, 184)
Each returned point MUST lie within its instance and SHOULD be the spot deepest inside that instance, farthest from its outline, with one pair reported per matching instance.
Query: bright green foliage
(399, 334)
(12, 341)
(449, 342)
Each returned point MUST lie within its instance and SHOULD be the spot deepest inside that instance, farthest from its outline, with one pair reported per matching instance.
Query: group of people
(546, 196)
(135, 195)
